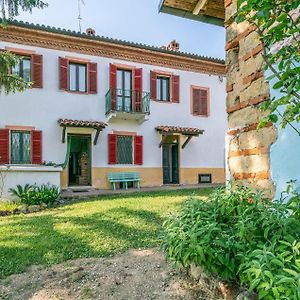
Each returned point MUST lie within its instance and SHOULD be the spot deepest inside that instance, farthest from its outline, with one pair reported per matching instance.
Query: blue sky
(135, 21)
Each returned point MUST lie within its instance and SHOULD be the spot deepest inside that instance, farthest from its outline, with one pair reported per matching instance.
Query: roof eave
(187, 15)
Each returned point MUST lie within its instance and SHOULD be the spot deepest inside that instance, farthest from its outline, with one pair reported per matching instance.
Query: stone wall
(248, 149)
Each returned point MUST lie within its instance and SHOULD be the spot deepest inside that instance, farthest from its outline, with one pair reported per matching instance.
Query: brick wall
(248, 149)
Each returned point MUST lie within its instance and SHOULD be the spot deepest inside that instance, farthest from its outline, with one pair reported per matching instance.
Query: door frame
(89, 137)
(176, 141)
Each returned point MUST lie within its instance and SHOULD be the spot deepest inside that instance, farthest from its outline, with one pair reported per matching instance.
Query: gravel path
(136, 275)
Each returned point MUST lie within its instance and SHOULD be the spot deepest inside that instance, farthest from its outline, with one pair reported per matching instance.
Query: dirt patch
(136, 275)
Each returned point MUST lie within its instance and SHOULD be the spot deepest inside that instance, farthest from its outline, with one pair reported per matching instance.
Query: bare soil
(135, 275)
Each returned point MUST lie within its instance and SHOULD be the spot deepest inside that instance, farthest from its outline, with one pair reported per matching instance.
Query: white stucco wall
(42, 108)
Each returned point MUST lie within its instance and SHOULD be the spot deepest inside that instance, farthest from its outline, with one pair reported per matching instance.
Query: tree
(11, 83)
(277, 23)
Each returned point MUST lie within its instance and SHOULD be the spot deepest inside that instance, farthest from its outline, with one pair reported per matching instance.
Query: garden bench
(125, 177)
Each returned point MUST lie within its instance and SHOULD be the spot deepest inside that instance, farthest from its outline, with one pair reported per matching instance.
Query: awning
(189, 132)
(97, 125)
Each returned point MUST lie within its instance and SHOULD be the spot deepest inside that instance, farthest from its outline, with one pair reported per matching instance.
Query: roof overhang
(206, 11)
(97, 125)
(189, 132)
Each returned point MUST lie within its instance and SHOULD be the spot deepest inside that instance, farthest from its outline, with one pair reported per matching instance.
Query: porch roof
(164, 129)
(81, 123)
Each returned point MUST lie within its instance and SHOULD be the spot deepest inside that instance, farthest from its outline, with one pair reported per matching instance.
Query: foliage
(11, 83)
(11, 8)
(96, 228)
(35, 195)
(279, 32)
(225, 235)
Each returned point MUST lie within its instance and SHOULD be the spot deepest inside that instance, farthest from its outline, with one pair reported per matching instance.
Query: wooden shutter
(93, 78)
(36, 147)
(175, 88)
(203, 102)
(112, 149)
(138, 150)
(138, 89)
(37, 70)
(4, 146)
(195, 101)
(63, 73)
(153, 77)
(113, 85)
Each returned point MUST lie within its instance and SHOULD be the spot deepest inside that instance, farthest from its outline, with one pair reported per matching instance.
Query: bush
(230, 234)
(35, 195)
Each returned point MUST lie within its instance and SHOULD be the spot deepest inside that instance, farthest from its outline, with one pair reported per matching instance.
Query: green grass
(95, 228)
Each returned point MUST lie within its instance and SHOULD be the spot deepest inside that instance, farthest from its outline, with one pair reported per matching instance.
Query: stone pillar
(248, 149)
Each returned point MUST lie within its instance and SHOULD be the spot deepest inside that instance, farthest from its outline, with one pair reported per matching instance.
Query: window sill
(29, 168)
(76, 92)
(163, 101)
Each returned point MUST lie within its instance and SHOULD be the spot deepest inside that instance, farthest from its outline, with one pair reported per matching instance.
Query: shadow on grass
(53, 239)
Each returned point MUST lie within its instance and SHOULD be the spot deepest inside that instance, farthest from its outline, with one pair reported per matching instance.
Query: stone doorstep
(87, 192)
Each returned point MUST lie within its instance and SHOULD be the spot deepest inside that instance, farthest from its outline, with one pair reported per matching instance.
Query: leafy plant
(277, 23)
(230, 234)
(35, 195)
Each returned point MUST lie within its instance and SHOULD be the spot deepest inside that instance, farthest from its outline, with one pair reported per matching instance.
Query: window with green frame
(20, 147)
(124, 149)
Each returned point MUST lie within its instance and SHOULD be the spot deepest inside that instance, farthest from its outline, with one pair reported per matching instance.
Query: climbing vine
(277, 23)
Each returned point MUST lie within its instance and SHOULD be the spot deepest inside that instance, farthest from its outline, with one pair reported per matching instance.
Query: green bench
(125, 177)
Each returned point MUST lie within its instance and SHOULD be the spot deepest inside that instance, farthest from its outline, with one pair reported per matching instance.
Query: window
(20, 147)
(163, 88)
(124, 149)
(78, 77)
(23, 69)
(204, 178)
(200, 101)
(124, 90)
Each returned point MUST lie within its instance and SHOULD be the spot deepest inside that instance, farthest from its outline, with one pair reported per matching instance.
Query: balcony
(127, 105)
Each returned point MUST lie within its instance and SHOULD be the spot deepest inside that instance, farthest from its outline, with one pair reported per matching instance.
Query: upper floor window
(78, 78)
(200, 101)
(163, 88)
(23, 69)
(124, 90)
(20, 147)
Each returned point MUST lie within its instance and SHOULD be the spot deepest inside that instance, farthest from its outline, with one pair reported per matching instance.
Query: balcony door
(124, 93)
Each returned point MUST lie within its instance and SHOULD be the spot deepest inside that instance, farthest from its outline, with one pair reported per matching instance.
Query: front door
(80, 161)
(170, 163)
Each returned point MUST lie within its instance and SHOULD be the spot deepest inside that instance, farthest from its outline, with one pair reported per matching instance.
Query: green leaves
(279, 34)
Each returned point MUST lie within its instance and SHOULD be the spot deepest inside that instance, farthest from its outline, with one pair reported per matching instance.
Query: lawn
(94, 228)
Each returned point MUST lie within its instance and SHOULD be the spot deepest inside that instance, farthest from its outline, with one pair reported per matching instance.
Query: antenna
(79, 13)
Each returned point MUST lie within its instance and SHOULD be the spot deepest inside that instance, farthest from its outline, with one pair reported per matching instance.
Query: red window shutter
(4, 146)
(195, 101)
(112, 149)
(175, 88)
(37, 70)
(63, 73)
(138, 150)
(203, 102)
(113, 85)
(138, 89)
(93, 78)
(153, 77)
(36, 147)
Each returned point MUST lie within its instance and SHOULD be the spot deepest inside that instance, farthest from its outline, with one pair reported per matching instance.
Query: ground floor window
(20, 147)
(124, 150)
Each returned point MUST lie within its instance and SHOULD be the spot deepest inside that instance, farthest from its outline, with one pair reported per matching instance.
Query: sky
(134, 21)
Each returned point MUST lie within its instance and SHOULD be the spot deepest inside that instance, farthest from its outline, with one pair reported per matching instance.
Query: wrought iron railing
(127, 101)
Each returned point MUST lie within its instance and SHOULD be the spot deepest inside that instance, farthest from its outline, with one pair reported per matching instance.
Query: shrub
(225, 234)
(35, 195)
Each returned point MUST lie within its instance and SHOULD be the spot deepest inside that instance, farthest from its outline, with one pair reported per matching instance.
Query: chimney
(172, 46)
(90, 31)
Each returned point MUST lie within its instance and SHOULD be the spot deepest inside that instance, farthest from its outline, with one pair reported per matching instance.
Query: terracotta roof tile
(81, 123)
(178, 129)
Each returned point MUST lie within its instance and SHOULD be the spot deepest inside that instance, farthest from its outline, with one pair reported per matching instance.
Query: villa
(99, 106)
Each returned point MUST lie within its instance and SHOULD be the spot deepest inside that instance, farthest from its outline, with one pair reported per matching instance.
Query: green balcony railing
(127, 101)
